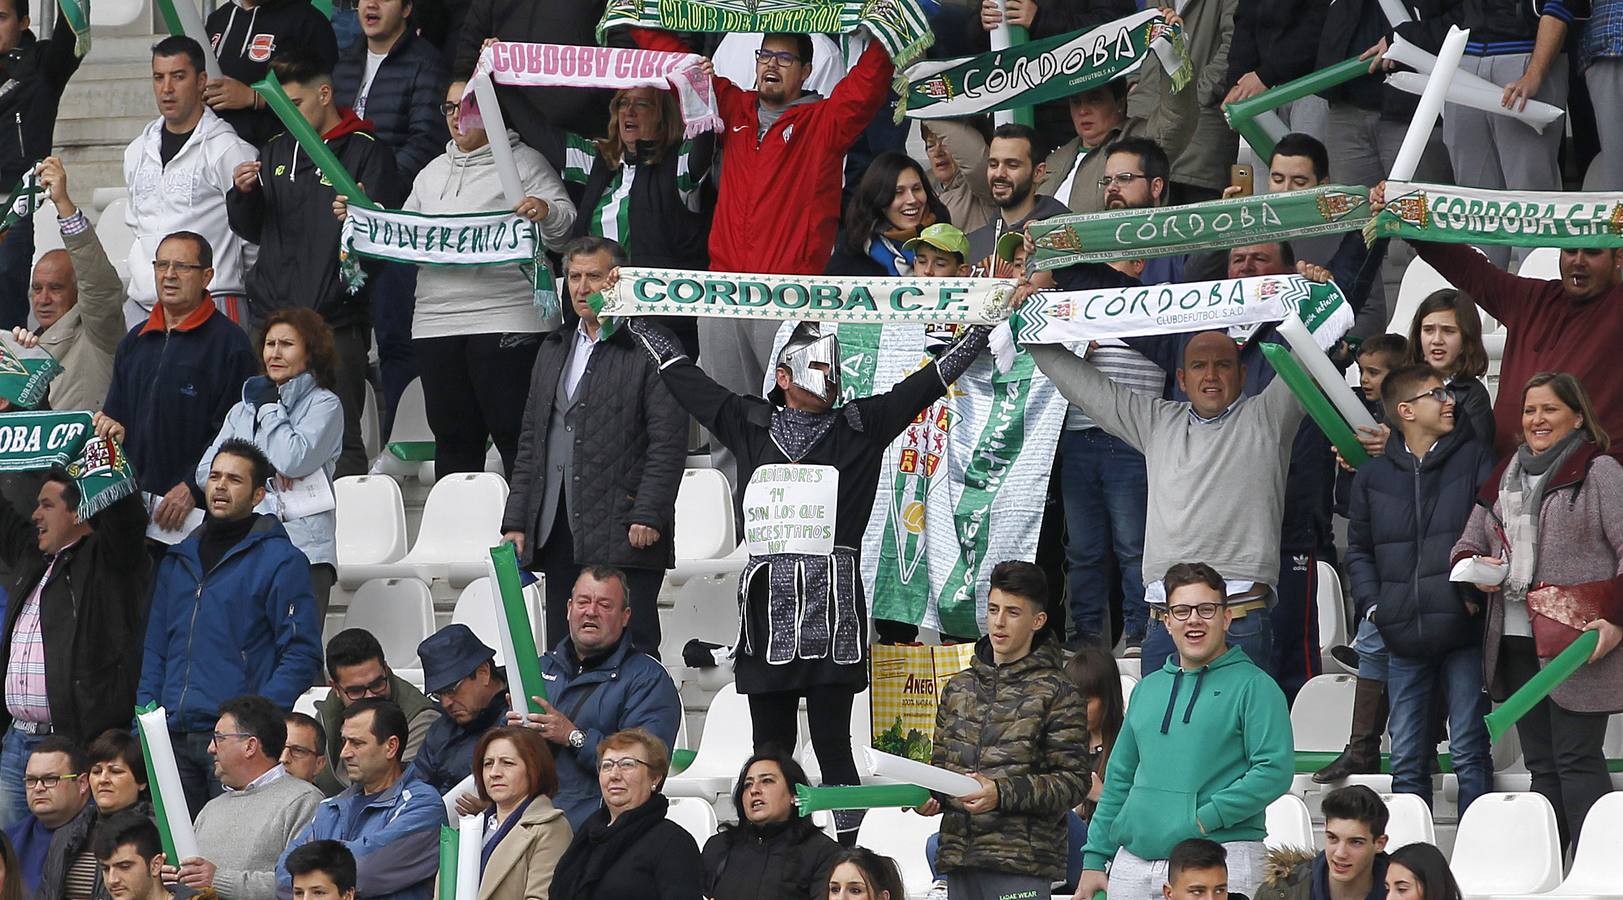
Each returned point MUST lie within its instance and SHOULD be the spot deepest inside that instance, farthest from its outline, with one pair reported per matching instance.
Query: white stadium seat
(1289, 824)
(462, 520)
(1333, 629)
(399, 612)
(115, 234)
(696, 817)
(1322, 713)
(726, 741)
(1128, 682)
(371, 524)
(1597, 867)
(901, 835)
(1507, 844)
(704, 516)
(307, 701)
(1541, 262)
(1409, 821)
(476, 608)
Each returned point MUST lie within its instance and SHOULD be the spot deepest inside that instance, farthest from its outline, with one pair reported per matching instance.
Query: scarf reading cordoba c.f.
(1460, 215)
(564, 65)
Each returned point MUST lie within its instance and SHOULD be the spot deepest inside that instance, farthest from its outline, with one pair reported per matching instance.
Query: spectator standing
(645, 187)
(58, 795)
(1201, 170)
(357, 670)
(1227, 753)
(517, 780)
(174, 379)
(393, 79)
(1352, 863)
(386, 819)
(39, 71)
(1017, 725)
(600, 458)
(289, 411)
(892, 203)
(476, 331)
(78, 596)
(1446, 334)
(1012, 172)
(462, 677)
(246, 37)
(1556, 518)
(1276, 41)
(178, 171)
(772, 850)
(302, 755)
(232, 614)
(241, 832)
(647, 855)
(1408, 507)
(281, 203)
(600, 685)
(1051, 18)
(116, 773)
(1602, 67)
(82, 336)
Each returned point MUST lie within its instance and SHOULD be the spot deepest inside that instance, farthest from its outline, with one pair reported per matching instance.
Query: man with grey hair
(600, 457)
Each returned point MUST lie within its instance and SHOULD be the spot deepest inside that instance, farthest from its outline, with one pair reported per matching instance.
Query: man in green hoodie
(1205, 748)
(1015, 723)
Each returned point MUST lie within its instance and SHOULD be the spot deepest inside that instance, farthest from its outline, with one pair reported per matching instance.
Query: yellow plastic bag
(905, 684)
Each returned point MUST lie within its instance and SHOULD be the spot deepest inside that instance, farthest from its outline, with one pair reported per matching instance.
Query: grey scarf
(1521, 498)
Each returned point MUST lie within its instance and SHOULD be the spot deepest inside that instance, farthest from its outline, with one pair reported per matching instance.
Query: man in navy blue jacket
(233, 613)
(174, 379)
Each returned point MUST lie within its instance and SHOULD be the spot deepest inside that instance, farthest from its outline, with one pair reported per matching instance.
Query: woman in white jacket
(291, 413)
(476, 331)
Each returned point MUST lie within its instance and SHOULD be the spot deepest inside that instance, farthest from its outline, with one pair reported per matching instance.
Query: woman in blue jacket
(290, 412)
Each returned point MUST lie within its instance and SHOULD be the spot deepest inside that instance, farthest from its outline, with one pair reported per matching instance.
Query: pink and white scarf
(566, 65)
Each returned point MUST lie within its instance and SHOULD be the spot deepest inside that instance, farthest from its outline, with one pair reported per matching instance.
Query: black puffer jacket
(785, 861)
(630, 446)
(403, 102)
(246, 40)
(1403, 521)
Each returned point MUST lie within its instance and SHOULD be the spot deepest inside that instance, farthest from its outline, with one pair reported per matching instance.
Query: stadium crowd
(1190, 503)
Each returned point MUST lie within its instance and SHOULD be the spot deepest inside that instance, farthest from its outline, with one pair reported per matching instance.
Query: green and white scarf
(23, 200)
(1460, 215)
(1216, 224)
(463, 239)
(30, 441)
(900, 26)
(25, 373)
(77, 14)
(680, 292)
(1039, 71)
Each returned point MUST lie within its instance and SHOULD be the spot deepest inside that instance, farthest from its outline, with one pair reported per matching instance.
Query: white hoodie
(488, 299)
(186, 195)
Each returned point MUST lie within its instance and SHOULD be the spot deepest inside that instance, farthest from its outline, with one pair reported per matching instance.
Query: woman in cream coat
(524, 833)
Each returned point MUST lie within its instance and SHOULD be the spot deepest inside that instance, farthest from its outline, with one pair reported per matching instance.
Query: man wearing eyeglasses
(464, 680)
(241, 832)
(356, 670)
(174, 379)
(58, 790)
(1205, 747)
(302, 754)
(599, 684)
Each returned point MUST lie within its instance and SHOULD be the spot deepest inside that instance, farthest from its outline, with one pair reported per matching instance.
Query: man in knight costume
(803, 617)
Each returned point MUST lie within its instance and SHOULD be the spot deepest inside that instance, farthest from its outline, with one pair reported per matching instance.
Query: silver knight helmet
(806, 348)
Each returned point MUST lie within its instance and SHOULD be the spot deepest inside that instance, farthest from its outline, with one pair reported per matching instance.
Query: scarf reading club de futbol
(458, 239)
(1216, 224)
(554, 65)
(1039, 71)
(30, 441)
(899, 25)
(679, 292)
(1460, 215)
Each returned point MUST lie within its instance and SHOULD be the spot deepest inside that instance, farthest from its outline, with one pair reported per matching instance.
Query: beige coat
(86, 336)
(1204, 161)
(520, 868)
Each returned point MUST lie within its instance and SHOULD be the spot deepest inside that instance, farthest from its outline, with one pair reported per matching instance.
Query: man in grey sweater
(241, 833)
(1216, 466)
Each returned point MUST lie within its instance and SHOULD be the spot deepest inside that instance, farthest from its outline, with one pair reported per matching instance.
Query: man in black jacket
(74, 625)
(1408, 507)
(1274, 42)
(600, 458)
(284, 204)
(33, 75)
(245, 36)
(395, 80)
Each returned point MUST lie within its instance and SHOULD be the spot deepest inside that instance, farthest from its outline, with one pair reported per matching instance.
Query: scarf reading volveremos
(25, 373)
(463, 239)
(565, 65)
(1459, 215)
(899, 25)
(1216, 224)
(679, 292)
(1039, 71)
(30, 441)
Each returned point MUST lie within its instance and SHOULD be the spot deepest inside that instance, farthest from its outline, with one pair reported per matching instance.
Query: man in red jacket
(778, 201)
(1573, 325)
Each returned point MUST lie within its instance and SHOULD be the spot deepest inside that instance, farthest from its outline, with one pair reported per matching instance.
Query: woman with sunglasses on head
(1552, 540)
(629, 850)
(475, 331)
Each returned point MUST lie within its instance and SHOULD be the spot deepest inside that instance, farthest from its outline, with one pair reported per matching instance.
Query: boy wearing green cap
(940, 251)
